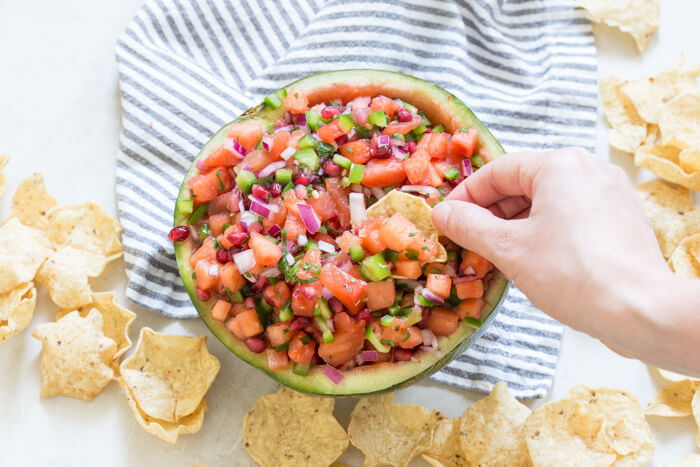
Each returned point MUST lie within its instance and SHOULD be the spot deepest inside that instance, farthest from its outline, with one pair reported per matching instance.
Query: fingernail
(441, 213)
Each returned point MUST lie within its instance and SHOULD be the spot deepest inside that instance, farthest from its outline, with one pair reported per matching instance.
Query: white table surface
(59, 114)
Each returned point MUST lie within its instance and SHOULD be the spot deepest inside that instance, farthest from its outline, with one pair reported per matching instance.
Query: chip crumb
(16, 310)
(638, 18)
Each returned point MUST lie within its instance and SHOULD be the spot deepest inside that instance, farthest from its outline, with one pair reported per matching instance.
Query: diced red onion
(467, 167)
(247, 219)
(272, 271)
(194, 233)
(241, 205)
(345, 110)
(267, 143)
(325, 246)
(325, 293)
(358, 211)
(429, 338)
(330, 324)
(383, 140)
(450, 271)
(370, 355)
(302, 240)
(300, 192)
(309, 218)
(334, 375)
(418, 291)
(360, 102)
(397, 142)
(201, 166)
(359, 360)
(378, 192)
(235, 147)
(270, 207)
(345, 266)
(274, 230)
(270, 169)
(250, 277)
(290, 259)
(259, 209)
(213, 270)
(300, 119)
(245, 260)
(432, 296)
(287, 153)
(249, 302)
(361, 116)
(425, 190)
(470, 271)
(284, 128)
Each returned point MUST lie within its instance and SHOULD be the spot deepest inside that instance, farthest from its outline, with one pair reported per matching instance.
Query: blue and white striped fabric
(186, 67)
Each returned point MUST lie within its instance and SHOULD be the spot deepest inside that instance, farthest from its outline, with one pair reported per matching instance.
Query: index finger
(505, 177)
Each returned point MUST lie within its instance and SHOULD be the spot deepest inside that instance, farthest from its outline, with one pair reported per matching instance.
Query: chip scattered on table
(167, 431)
(664, 161)
(389, 433)
(685, 259)
(3, 183)
(638, 18)
(445, 448)
(289, 429)
(31, 202)
(76, 356)
(117, 320)
(628, 129)
(679, 121)
(169, 375)
(674, 400)
(22, 251)
(16, 310)
(85, 227)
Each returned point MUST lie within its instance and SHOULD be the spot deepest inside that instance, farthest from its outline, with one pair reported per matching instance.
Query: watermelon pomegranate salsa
(276, 248)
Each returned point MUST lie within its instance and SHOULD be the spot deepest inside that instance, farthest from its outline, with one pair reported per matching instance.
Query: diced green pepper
(438, 129)
(327, 333)
(477, 161)
(185, 206)
(325, 149)
(204, 231)
(374, 268)
(357, 253)
(234, 297)
(307, 157)
(286, 311)
(342, 161)
(410, 107)
(415, 315)
(372, 338)
(198, 213)
(266, 306)
(287, 187)
(378, 118)
(451, 173)
(346, 123)
(283, 175)
(357, 171)
(362, 132)
(321, 308)
(387, 320)
(419, 130)
(398, 136)
(307, 141)
(301, 370)
(422, 301)
(473, 322)
(245, 181)
(394, 309)
(345, 182)
(273, 101)
(312, 119)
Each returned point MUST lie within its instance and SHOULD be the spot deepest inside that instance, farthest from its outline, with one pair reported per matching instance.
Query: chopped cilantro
(412, 234)
(387, 342)
(218, 176)
(304, 340)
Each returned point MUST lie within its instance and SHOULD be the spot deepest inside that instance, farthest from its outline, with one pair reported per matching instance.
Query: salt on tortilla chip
(116, 319)
(76, 356)
(650, 95)
(65, 275)
(390, 433)
(664, 162)
(674, 400)
(16, 310)
(167, 431)
(3, 183)
(31, 202)
(85, 227)
(685, 259)
(491, 430)
(22, 251)
(672, 213)
(679, 121)
(289, 429)
(628, 129)
(415, 209)
(691, 460)
(169, 375)
(689, 160)
(638, 18)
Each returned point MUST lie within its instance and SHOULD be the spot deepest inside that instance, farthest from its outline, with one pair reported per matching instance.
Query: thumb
(475, 228)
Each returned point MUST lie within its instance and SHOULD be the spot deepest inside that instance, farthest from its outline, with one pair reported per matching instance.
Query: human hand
(571, 233)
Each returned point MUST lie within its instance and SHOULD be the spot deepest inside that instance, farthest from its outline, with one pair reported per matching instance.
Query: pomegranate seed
(381, 152)
(222, 256)
(259, 284)
(335, 305)
(424, 318)
(411, 147)
(276, 189)
(331, 168)
(340, 140)
(179, 233)
(316, 359)
(261, 192)
(364, 315)
(313, 179)
(256, 344)
(237, 238)
(233, 251)
(299, 323)
(249, 302)
(301, 179)
(404, 115)
(334, 223)
(330, 112)
(203, 294)
(403, 355)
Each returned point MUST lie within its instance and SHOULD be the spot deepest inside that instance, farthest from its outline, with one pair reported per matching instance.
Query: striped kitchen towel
(186, 67)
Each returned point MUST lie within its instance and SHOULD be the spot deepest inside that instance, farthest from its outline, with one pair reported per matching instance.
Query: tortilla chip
(16, 310)
(3, 183)
(390, 433)
(689, 160)
(672, 213)
(691, 460)
(628, 129)
(289, 429)
(679, 122)
(664, 162)
(415, 209)
(491, 430)
(22, 251)
(169, 375)
(650, 95)
(117, 320)
(65, 275)
(653, 134)
(76, 356)
(674, 400)
(445, 449)
(674, 377)
(685, 259)
(31, 202)
(638, 18)
(167, 431)
(86, 227)
(695, 404)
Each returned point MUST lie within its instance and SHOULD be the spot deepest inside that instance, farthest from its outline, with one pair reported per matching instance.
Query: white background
(59, 114)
